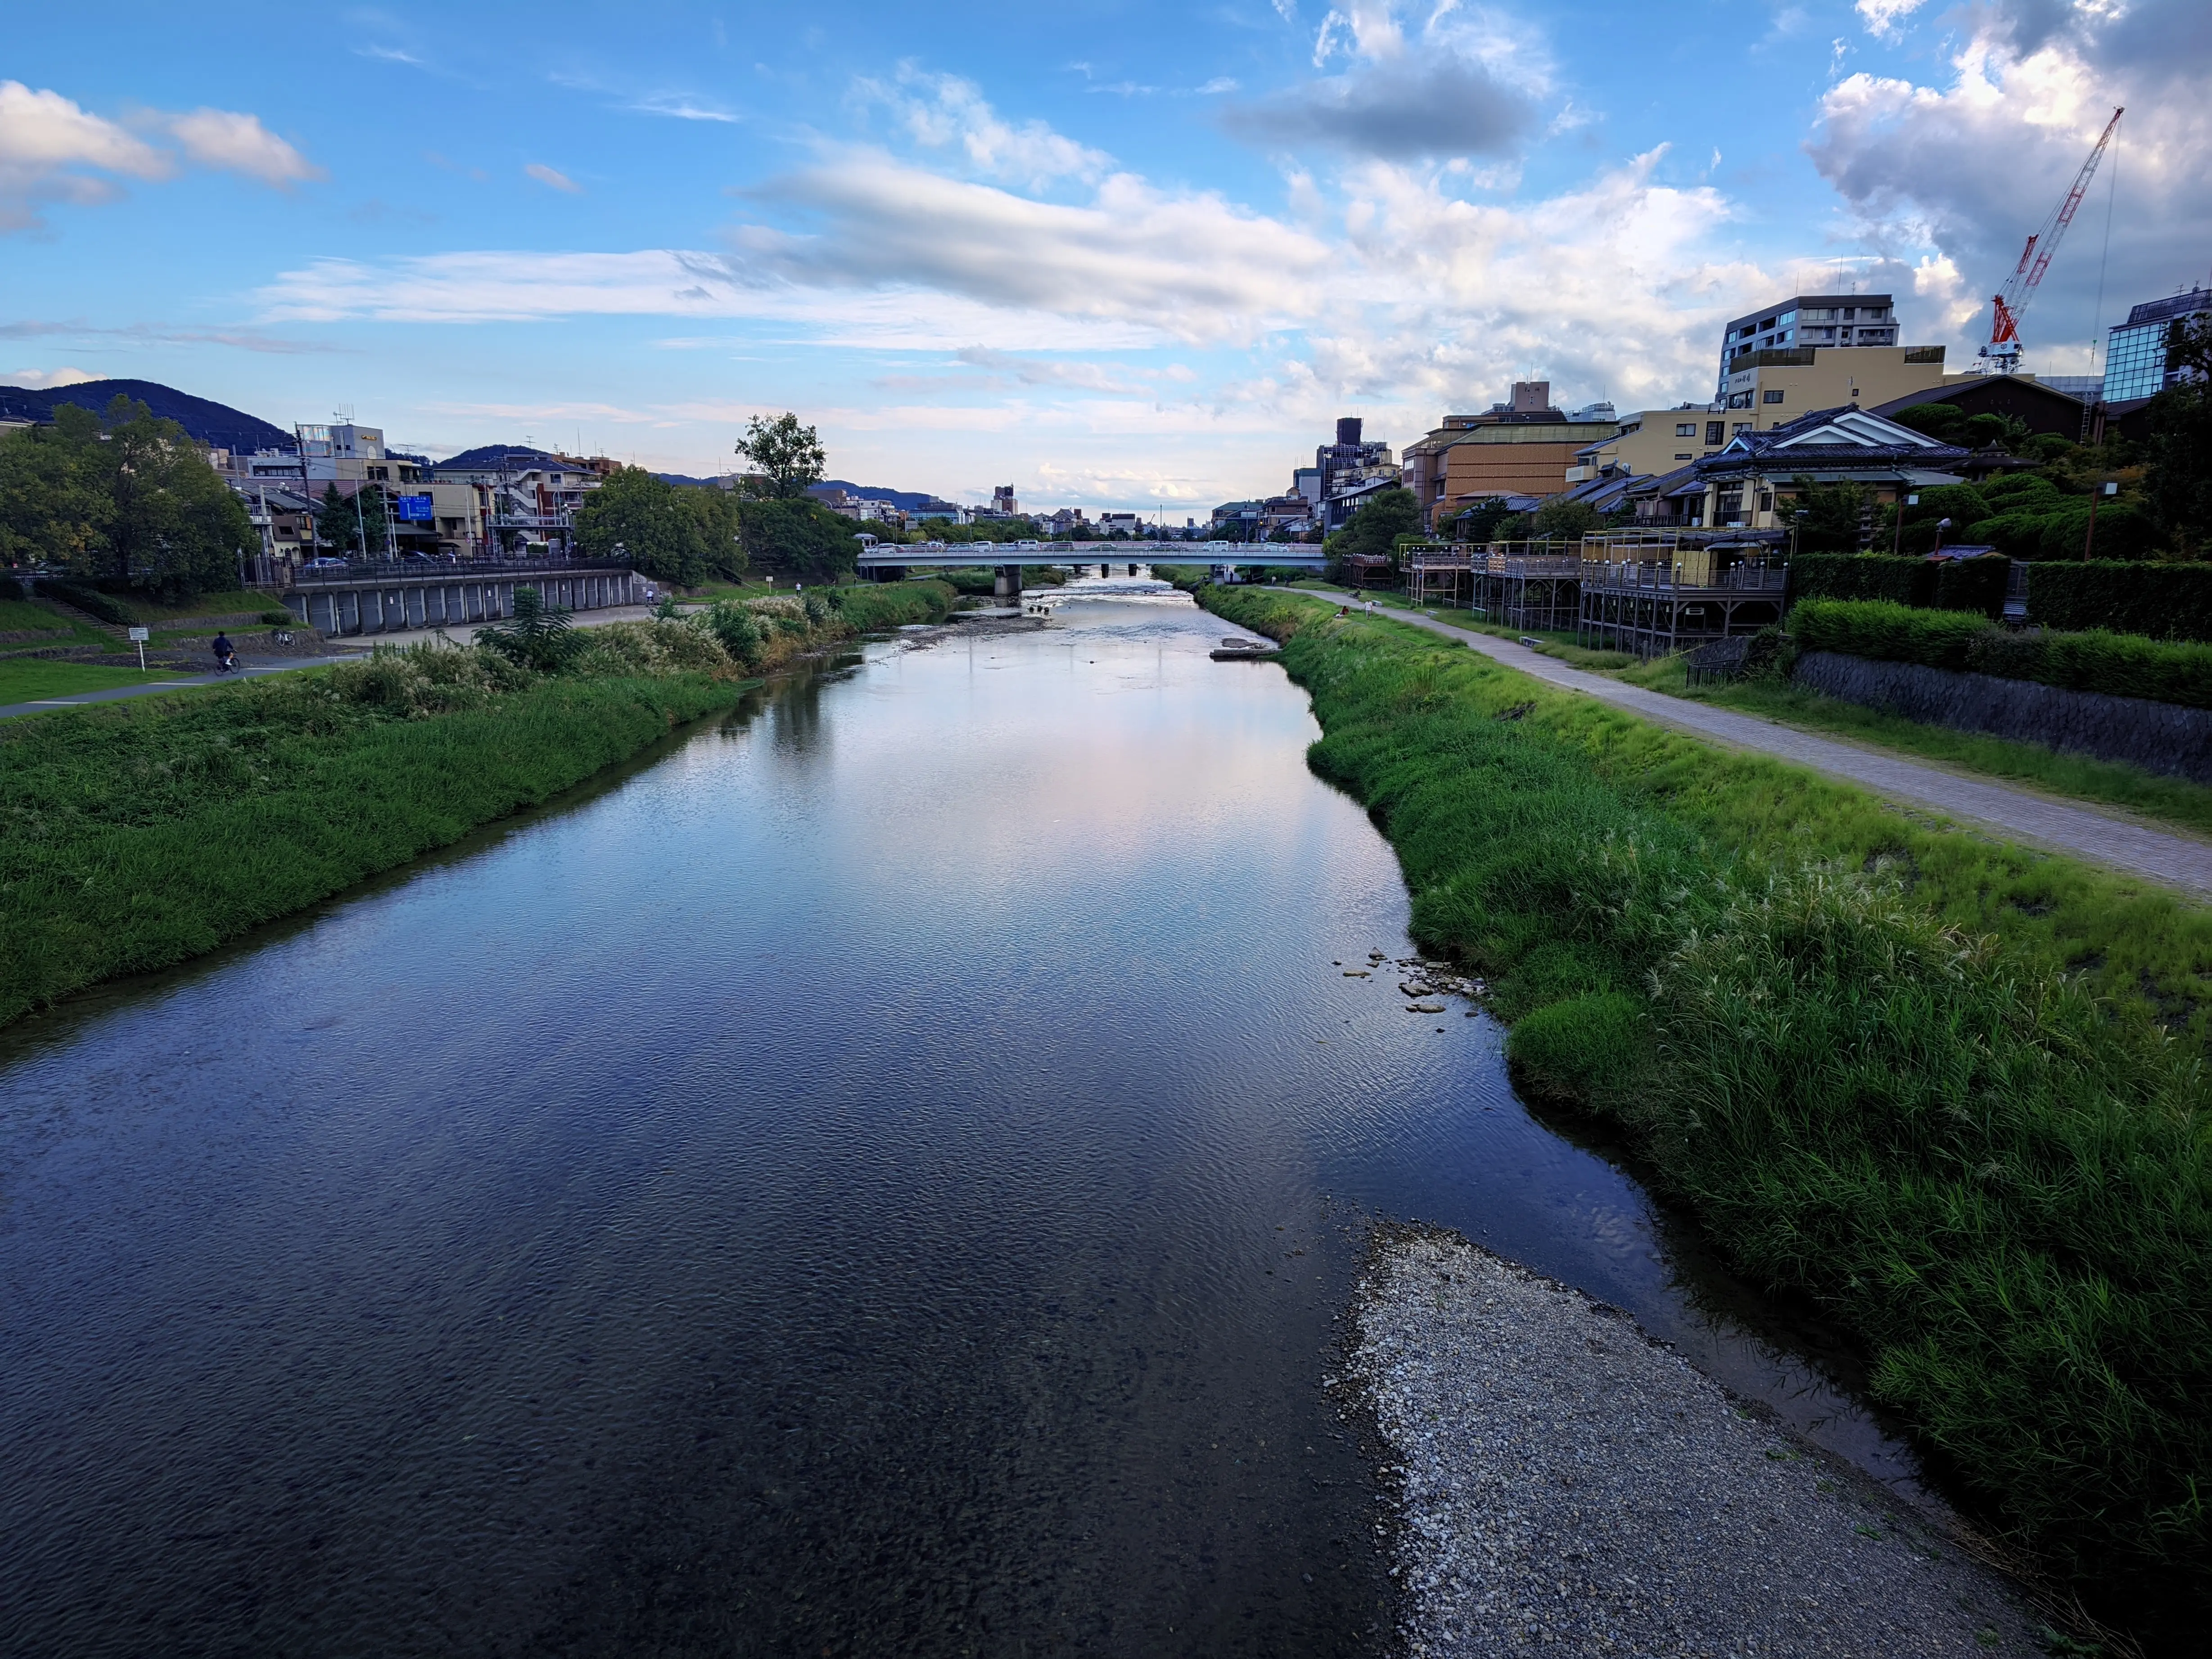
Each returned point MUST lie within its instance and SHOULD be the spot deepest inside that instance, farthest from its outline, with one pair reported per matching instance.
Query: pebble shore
(1567, 1486)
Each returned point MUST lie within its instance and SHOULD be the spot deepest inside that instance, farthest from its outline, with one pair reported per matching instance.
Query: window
(1770, 397)
(1767, 322)
(1739, 400)
(1849, 313)
(1685, 455)
(1742, 427)
(1787, 318)
(1686, 428)
(1766, 501)
(1716, 432)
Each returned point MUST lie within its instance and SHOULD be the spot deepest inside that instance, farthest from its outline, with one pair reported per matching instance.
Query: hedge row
(2118, 665)
(1925, 584)
(2160, 601)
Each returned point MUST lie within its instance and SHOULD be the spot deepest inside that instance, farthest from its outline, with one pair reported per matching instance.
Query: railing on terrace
(1655, 576)
(448, 569)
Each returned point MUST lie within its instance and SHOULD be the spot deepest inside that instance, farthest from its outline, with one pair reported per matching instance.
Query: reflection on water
(881, 1177)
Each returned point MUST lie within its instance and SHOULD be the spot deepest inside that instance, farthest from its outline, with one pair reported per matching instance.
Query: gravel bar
(1568, 1485)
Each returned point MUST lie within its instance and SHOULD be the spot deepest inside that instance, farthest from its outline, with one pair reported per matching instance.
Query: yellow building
(1765, 389)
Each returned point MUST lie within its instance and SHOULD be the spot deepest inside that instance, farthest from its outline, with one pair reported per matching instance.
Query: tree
(647, 519)
(2179, 482)
(53, 508)
(352, 523)
(1569, 520)
(720, 530)
(1835, 515)
(801, 538)
(537, 637)
(1944, 423)
(123, 499)
(1479, 523)
(1374, 528)
(789, 456)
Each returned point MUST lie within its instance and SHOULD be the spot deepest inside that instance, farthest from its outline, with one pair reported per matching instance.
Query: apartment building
(1839, 321)
(2135, 354)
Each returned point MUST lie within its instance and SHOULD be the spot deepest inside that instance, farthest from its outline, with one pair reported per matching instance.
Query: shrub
(11, 590)
(89, 600)
(538, 636)
(735, 628)
(2161, 601)
(1584, 1050)
(1972, 585)
(2118, 665)
(653, 649)
(1862, 576)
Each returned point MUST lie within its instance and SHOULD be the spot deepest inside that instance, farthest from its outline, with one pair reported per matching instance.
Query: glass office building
(2135, 357)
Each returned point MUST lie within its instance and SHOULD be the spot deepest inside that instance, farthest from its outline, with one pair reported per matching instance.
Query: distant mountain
(906, 500)
(518, 456)
(685, 478)
(212, 423)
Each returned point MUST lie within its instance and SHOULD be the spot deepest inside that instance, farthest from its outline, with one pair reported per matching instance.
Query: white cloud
(554, 178)
(53, 150)
(1959, 171)
(680, 108)
(1466, 82)
(224, 138)
(944, 112)
(41, 380)
(1883, 17)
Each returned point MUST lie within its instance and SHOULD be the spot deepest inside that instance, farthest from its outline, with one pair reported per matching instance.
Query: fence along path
(2085, 832)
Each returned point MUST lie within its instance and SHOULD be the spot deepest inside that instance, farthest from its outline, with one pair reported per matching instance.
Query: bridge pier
(1006, 583)
(1133, 570)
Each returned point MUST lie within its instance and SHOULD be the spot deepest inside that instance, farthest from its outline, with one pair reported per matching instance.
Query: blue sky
(1118, 255)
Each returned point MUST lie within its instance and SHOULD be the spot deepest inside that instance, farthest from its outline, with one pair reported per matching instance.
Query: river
(882, 1174)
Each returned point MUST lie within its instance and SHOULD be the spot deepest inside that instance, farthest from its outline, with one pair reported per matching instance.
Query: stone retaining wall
(2159, 737)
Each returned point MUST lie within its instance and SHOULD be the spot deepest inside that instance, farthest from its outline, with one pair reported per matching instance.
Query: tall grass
(1951, 1088)
(135, 836)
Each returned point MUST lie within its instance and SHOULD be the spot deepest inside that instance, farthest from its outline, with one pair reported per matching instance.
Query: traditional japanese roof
(1845, 439)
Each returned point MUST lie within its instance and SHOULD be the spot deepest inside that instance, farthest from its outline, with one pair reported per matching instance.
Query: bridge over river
(893, 562)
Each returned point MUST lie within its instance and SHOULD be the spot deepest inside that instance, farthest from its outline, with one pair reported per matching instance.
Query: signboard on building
(414, 508)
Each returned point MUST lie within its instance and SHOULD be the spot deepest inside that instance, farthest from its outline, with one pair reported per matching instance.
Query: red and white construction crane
(2002, 354)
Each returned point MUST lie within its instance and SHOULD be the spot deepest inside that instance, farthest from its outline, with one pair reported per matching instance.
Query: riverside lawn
(1951, 1088)
(135, 836)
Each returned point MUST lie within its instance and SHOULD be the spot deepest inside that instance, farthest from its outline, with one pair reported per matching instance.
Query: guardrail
(372, 570)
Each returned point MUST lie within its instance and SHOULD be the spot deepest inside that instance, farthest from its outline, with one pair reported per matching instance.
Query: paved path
(180, 681)
(2100, 837)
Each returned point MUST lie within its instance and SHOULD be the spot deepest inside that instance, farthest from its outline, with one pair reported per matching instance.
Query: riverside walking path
(2103, 838)
(182, 680)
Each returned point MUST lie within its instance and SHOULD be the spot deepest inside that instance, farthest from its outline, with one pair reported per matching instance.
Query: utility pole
(2109, 488)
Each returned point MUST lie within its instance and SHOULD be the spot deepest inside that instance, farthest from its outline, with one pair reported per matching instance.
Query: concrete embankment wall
(2159, 737)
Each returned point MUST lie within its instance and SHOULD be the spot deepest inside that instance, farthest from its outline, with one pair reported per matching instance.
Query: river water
(883, 1174)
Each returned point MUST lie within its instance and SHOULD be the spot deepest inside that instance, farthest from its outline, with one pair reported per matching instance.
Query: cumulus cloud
(51, 149)
(1465, 84)
(553, 178)
(945, 112)
(1884, 17)
(224, 138)
(42, 380)
(1959, 171)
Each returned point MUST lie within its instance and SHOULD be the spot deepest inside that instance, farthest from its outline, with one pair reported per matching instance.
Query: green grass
(137, 834)
(1951, 1088)
(23, 679)
(20, 616)
(234, 603)
(2175, 801)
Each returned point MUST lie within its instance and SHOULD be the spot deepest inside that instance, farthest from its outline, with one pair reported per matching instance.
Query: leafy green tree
(721, 529)
(788, 458)
(1567, 521)
(1944, 423)
(1374, 528)
(2178, 484)
(798, 538)
(123, 499)
(53, 508)
(650, 524)
(1479, 523)
(1835, 515)
(352, 524)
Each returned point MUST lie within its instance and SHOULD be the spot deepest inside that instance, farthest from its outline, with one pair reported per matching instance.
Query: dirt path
(2098, 838)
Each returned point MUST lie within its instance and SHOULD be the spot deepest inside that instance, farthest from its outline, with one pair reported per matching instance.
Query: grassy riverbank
(1950, 1088)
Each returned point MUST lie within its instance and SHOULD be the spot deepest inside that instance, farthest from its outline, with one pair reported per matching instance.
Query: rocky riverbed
(1568, 1485)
